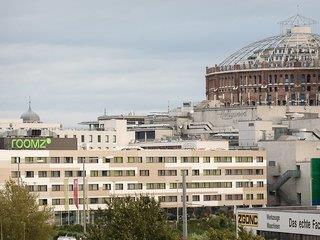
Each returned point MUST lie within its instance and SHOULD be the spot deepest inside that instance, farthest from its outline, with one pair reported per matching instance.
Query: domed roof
(30, 116)
(296, 44)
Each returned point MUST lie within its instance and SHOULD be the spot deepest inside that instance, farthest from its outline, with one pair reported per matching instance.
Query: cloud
(74, 58)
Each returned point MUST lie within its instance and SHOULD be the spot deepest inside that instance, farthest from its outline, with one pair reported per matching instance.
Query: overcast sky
(76, 57)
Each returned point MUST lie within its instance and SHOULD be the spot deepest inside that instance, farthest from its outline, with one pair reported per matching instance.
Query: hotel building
(215, 177)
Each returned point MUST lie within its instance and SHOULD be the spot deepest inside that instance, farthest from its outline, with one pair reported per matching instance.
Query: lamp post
(84, 196)
(177, 221)
(184, 207)
(19, 172)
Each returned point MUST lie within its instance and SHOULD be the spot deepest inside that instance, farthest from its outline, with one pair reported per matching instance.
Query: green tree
(131, 219)
(20, 215)
(245, 235)
(220, 234)
(225, 234)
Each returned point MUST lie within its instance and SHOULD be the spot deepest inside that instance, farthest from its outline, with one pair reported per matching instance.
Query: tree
(131, 219)
(20, 215)
(245, 235)
(220, 234)
(225, 234)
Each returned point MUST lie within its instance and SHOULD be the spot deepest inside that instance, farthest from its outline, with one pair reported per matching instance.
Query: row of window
(131, 159)
(195, 198)
(149, 186)
(132, 173)
(272, 79)
(91, 138)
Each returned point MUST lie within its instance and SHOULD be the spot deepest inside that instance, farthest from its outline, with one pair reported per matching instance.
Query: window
(14, 174)
(114, 139)
(189, 159)
(55, 160)
(260, 184)
(29, 160)
(222, 159)
(230, 197)
(249, 196)
(209, 172)
(119, 186)
(259, 159)
(244, 184)
(55, 174)
(56, 188)
(156, 185)
(68, 174)
(56, 201)
(81, 159)
(93, 187)
(107, 138)
(93, 160)
(42, 188)
(130, 173)
(99, 138)
(195, 172)
(244, 159)
(29, 174)
(42, 174)
(167, 172)
(117, 173)
(107, 160)
(82, 138)
(118, 159)
(90, 138)
(196, 198)
(94, 173)
(70, 187)
(260, 196)
(94, 200)
(30, 188)
(134, 159)
(43, 202)
(68, 160)
(107, 186)
(134, 186)
(211, 197)
(184, 172)
(105, 173)
(206, 159)
(168, 198)
(144, 172)
(79, 173)
(15, 160)
(42, 160)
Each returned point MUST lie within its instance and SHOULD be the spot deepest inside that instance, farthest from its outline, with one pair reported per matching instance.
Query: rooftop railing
(264, 65)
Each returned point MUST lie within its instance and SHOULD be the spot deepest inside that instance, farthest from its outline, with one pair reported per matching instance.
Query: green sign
(30, 143)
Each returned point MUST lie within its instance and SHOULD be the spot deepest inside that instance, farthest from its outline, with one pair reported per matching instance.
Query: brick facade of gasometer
(295, 85)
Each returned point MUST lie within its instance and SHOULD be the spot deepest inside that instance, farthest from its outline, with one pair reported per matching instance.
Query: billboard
(38, 143)
(299, 222)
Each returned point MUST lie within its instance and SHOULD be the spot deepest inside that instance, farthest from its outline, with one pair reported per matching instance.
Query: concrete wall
(222, 117)
(288, 155)
(250, 132)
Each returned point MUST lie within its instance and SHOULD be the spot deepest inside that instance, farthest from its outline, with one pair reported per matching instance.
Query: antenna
(168, 106)
(29, 102)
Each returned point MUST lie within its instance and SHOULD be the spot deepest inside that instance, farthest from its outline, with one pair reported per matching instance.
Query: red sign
(75, 192)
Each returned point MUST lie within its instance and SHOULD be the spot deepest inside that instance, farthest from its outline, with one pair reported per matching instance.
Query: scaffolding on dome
(297, 45)
(297, 21)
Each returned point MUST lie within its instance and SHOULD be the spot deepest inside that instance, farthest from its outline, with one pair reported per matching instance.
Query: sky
(74, 58)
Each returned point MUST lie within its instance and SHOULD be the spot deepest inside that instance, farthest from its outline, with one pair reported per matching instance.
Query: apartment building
(214, 177)
(112, 134)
